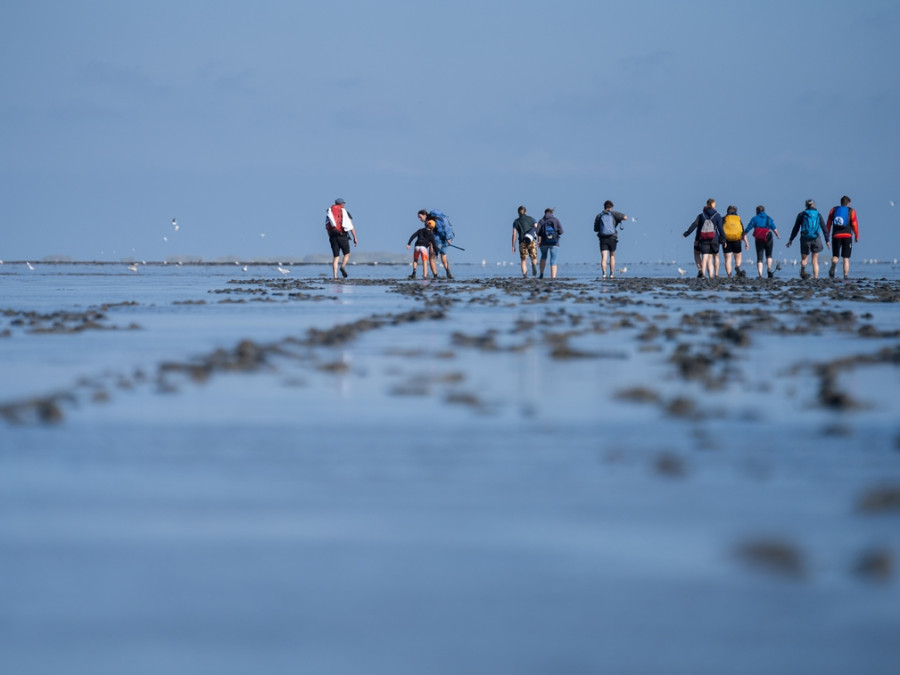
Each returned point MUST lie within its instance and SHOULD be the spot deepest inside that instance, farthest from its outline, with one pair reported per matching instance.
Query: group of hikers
(432, 240)
(712, 230)
(530, 236)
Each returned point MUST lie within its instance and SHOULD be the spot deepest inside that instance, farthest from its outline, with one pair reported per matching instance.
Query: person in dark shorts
(734, 239)
(809, 225)
(763, 227)
(708, 225)
(843, 228)
(606, 225)
(339, 226)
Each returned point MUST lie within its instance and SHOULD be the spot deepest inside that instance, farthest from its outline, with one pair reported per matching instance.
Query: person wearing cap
(339, 225)
(549, 230)
(809, 225)
(845, 229)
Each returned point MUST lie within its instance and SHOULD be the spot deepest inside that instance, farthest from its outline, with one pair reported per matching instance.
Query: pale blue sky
(243, 118)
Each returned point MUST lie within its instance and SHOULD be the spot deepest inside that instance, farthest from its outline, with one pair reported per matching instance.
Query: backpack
(442, 227)
(761, 232)
(707, 228)
(336, 218)
(550, 235)
(809, 229)
(734, 228)
(840, 217)
(607, 222)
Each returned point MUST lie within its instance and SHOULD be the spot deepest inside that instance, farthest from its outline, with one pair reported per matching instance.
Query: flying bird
(133, 267)
(29, 265)
(681, 271)
(283, 270)
(175, 224)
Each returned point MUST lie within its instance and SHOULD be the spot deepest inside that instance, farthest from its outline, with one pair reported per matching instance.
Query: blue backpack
(840, 217)
(442, 225)
(809, 229)
(607, 224)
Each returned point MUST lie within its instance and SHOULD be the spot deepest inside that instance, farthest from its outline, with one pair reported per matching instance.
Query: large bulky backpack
(442, 225)
(809, 228)
(707, 227)
(607, 222)
(733, 227)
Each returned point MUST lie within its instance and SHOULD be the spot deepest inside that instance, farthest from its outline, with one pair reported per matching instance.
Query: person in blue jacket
(708, 225)
(763, 227)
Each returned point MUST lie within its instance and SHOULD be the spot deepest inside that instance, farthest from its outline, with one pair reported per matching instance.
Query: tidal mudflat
(480, 475)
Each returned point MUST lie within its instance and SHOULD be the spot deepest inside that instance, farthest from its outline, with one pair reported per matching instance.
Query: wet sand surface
(476, 475)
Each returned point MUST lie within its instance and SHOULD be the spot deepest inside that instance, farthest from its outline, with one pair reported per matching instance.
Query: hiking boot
(831, 271)
(533, 269)
(344, 272)
(413, 276)
(803, 273)
(700, 274)
(449, 276)
(771, 274)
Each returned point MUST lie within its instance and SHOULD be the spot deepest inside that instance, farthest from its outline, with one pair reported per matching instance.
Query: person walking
(708, 225)
(606, 225)
(443, 235)
(843, 229)
(763, 227)
(339, 225)
(549, 231)
(733, 229)
(425, 247)
(809, 225)
(525, 236)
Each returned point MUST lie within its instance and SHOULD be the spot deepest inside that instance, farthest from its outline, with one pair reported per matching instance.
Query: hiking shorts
(440, 246)
(551, 252)
(764, 247)
(420, 252)
(609, 243)
(528, 249)
(340, 243)
(811, 246)
(708, 247)
(733, 246)
(841, 247)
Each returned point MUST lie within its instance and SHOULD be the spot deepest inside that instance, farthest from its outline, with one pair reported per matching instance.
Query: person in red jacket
(843, 219)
